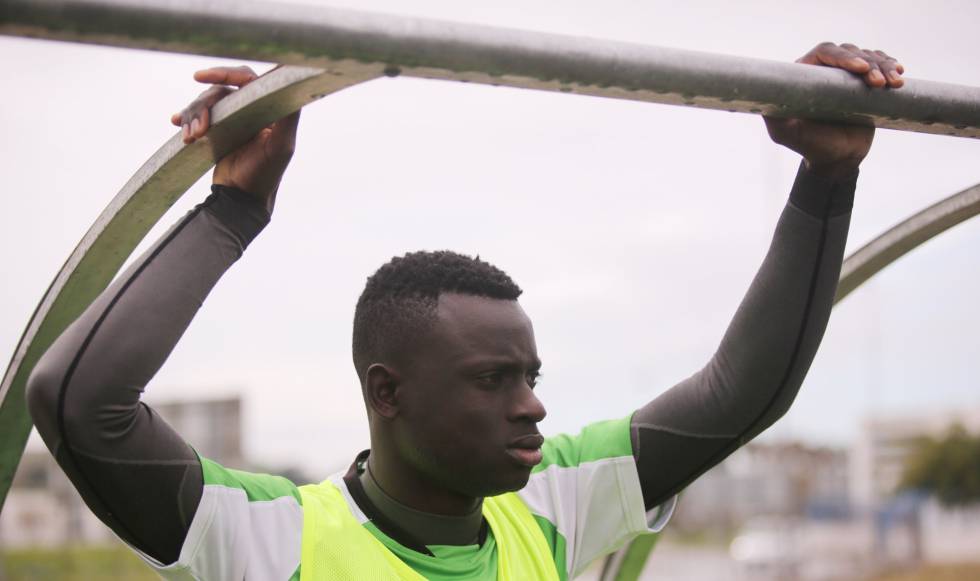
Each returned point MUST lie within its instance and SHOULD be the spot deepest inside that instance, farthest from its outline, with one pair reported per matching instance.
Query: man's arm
(134, 472)
(757, 370)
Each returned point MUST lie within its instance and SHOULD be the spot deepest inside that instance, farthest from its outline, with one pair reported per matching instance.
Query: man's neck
(428, 528)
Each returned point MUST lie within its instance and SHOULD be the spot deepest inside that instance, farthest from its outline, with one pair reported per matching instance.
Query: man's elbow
(42, 393)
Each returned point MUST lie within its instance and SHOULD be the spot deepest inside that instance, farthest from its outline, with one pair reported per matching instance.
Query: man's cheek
(449, 426)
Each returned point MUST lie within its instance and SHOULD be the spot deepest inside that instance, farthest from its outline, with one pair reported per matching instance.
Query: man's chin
(518, 480)
(487, 480)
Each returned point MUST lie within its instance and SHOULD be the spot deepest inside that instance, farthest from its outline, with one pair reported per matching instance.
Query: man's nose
(528, 407)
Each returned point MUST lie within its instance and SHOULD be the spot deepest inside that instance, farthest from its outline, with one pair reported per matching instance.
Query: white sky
(633, 228)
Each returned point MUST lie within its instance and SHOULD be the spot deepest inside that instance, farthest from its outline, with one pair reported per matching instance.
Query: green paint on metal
(637, 554)
(15, 426)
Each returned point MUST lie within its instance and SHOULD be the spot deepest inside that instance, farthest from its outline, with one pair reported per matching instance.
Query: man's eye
(533, 379)
(491, 379)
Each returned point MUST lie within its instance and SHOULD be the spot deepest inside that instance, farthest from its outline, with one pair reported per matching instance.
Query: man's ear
(381, 390)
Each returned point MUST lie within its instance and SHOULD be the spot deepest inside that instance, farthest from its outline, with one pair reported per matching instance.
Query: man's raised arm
(757, 370)
(134, 472)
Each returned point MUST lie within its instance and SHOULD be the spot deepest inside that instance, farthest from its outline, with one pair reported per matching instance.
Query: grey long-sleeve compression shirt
(759, 367)
(144, 481)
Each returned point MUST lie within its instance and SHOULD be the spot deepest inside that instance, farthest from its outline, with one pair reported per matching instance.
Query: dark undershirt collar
(411, 528)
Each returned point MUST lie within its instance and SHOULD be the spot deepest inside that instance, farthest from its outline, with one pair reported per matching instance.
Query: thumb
(282, 134)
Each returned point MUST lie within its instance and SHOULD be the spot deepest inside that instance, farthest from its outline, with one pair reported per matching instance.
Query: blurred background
(634, 230)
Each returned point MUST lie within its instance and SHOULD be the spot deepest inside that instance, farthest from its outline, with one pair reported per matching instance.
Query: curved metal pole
(903, 237)
(321, 37)
(627, 563)
(136, 208)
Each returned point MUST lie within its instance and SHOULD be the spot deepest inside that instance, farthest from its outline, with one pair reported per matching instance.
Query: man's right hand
(255, 167)
(836, 149)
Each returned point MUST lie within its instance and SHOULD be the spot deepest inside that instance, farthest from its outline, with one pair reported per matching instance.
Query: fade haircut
(400, 299)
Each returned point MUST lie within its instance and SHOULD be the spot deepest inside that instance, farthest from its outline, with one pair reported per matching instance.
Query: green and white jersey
(585, 495)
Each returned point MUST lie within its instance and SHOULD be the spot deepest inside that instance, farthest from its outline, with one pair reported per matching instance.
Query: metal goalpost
(327, 50)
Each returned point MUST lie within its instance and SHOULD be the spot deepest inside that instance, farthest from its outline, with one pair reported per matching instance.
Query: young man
(458, 483)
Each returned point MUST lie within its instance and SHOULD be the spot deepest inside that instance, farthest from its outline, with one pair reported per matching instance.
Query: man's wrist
(821, 195)
(837, 171)
(241, 212)
(267, 200)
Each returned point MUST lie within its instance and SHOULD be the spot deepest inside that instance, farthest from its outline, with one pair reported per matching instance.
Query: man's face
(467, 411)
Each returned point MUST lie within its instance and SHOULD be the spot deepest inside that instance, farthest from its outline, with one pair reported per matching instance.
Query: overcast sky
(633, 228)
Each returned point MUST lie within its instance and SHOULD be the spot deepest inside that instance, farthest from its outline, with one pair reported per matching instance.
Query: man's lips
(527, 441)
(526, 450)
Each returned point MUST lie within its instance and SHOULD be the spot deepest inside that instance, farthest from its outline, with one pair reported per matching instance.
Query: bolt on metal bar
(336, 38)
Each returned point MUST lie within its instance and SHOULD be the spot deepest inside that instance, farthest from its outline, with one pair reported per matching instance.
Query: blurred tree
(948, 467)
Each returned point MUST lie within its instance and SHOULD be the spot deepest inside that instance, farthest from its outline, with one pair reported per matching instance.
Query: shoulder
(598, 442)
(585, 494)
(244, 521)
(255, 487)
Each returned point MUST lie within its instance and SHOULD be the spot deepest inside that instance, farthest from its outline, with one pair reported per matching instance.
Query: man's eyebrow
(501, 362)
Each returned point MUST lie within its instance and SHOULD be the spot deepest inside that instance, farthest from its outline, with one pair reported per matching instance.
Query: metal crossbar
(341, 40)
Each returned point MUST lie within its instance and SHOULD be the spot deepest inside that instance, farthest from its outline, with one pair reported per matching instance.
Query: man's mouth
(526, 450)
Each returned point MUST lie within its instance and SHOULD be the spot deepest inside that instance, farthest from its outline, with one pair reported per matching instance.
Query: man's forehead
(471, 310)
(467, 324)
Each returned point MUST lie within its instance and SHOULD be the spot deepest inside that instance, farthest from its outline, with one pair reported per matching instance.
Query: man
(458, 483)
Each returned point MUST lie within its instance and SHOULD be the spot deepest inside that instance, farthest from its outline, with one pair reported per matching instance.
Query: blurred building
(883, 446)
(806, 512)
(213, 427)
(910, 526)
(783, 480)
(43, 508)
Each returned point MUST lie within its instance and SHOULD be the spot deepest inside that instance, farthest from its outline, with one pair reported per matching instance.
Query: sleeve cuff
(242, 213)
(659, 516)
(820, 196)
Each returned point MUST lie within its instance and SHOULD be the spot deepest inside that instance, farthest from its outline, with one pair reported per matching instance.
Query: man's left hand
(833, 149)
(257, 166)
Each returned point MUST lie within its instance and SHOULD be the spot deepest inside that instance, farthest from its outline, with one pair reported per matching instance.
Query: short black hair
(400, 299)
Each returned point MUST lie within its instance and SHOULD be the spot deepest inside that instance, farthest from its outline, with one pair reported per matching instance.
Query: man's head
(447, 361)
